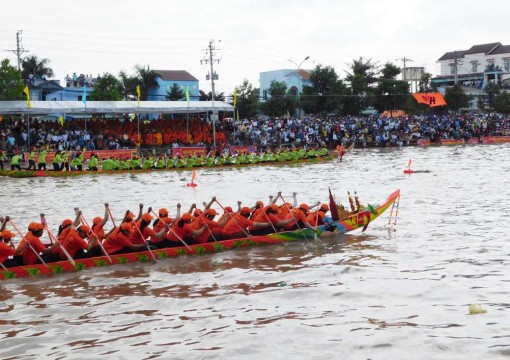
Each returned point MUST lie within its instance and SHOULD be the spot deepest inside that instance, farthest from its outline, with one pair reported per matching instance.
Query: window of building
(452, 69)
(474, 66)
(506, 64)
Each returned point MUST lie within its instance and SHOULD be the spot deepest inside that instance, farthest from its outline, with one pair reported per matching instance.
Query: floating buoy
(191, 184)
(476, 309)
(408, 170)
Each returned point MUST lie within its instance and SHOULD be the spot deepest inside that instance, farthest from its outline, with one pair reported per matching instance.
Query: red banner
(189, 151)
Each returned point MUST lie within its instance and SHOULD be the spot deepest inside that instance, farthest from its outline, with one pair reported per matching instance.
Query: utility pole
(404, 60)
(210, 58)
(19, 49)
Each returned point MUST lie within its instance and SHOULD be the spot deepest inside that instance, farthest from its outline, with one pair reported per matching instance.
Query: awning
(104, 107)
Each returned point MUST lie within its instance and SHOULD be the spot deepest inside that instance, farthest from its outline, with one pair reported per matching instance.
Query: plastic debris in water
(475, 309)
(282, 284)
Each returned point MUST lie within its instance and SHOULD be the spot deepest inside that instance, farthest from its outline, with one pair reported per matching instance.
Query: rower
(32, 239)
(237, 226)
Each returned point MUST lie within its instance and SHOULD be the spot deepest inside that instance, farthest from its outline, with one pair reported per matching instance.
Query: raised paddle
(51, 236)
(84, 222)
(173, 232)
(28, 244)
(111, 217)
(231, 217)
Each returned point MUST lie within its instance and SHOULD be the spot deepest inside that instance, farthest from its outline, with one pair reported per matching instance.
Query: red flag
(332, 207)
(409, 164)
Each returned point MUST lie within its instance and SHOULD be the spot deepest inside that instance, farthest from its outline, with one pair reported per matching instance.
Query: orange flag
(431, 99)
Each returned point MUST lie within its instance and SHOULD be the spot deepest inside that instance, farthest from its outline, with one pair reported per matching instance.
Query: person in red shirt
(212, 227)
(118, 242)
(182, 230)
(7, 249)
(98, 223)
(75, 243)
(32, 243)
(238, 224)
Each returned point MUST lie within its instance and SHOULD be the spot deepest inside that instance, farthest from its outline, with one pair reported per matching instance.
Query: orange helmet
(304, 206)
(186, 217)
(126, 226)
(146, 217)
(324, 207)
(211, 212)
(6, 234)
(35, 226)
(245, 210)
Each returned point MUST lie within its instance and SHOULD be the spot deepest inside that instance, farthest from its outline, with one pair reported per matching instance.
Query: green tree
(425, 84)
(456, 98)
(106, 89)
(390, 93)
(208, 96)
(146, 79)
(325, 95)
(502, 103)
(11, 85)
(361, 79)
(175, 93)
(127, 85)
(279, 102)
(38, 68)
(491, 90)
(247, 99)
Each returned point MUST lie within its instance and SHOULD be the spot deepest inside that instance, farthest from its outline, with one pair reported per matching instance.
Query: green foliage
(425, 85)
(38, 68)
(247, 100)
(390, 93)
(326, 94)
(279, 102)
(208, 97)
(456, 98)
(127, 85)
(175, 93)
(146, 78)
(361, 79)
(491, 90)
(107, 89)
(11, 85)
(502, 103)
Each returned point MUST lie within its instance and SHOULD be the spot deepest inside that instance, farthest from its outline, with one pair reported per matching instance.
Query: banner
(431, 99)
(138, 94)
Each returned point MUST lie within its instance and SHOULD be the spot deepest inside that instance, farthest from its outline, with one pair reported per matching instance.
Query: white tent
(108, 107)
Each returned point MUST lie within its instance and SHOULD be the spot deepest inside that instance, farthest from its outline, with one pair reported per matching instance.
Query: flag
(431, 99)
(409, 163)
(61, 120)
(235, 97)
(332, 207)
(84, 96)
(27, 92)
(187, 94)
(138, 94)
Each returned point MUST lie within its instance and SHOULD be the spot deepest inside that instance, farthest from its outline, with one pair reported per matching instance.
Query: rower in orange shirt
(269, 214)
(237, 226)
(74, 242)
(181, 230)
(298, 216)
(7, 248)
(32, 238)
(142, 231)
(317, 218)
(98, 223)
(118, 242)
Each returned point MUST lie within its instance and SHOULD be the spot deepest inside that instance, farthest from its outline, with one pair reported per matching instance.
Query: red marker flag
(332, 207)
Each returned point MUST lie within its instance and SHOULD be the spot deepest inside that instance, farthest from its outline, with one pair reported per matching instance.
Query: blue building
(68, 94)
(295, 80)
(41, 89)
(167, 80)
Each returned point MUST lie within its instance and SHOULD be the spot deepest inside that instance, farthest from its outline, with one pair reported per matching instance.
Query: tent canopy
(105, 107)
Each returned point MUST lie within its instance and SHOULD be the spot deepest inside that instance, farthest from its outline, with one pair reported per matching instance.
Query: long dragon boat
(351, 222)
(51, 173)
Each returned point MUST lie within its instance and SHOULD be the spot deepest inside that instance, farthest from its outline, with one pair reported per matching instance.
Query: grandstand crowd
(368, 131)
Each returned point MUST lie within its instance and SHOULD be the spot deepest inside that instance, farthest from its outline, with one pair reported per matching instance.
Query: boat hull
(351, 223)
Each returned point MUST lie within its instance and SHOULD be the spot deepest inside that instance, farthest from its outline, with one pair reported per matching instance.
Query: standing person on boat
(15, 161)
(239, 223)
(32, 242)
(31, 159)
(118, 242)
(41, 162)
(3, 158)
(340, 149)
(57, 161)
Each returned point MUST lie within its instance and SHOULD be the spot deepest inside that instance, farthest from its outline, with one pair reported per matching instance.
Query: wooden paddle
(51, 236)
(28, 244)
(103, 250)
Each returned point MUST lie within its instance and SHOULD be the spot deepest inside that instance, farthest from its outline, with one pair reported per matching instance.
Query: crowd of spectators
(365, 131)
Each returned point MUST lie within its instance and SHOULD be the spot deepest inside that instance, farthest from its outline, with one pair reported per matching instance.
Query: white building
(476, 67)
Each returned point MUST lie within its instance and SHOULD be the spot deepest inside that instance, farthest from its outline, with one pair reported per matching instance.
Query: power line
(19, 48)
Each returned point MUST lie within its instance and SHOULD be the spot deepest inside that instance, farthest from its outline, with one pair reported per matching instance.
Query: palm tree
(146, 79)
(38, 68)
(127, 85)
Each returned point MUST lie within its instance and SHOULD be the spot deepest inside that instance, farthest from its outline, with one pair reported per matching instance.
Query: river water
(400, 291)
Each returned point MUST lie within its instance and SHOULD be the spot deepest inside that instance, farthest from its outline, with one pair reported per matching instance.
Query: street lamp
(299, 83)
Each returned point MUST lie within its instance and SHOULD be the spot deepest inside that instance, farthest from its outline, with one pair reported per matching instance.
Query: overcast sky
(97, 36)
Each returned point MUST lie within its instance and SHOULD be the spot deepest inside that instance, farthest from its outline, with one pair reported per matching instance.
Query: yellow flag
(138, 94)
(27, 92)
(235, 97)
(61, 120)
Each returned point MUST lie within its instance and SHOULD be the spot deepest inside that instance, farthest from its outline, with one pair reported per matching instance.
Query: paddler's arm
(4, 222)
(140, 212)
(210, 203)
(106, 216)
(294, 199)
